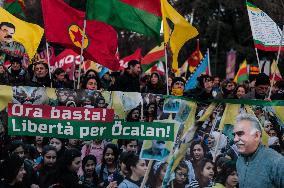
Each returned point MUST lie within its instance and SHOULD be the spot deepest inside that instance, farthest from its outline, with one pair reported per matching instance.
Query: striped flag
(242, 73)
(153, 57)
(158, 67)
(274, 68)
(192, 80)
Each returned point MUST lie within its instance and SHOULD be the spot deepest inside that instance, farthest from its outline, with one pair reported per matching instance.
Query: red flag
(64, 25)
(135, 56)
(194, 58)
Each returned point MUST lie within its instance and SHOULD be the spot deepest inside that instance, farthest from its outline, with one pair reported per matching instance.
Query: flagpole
(81, 54)
(209, 68)
(276, 63)
(48, 62)
(256, 52)
(167, 74)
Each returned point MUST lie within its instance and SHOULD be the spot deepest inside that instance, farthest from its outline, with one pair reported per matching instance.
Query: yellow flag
(181, 33)
(231, 110)
(264, 134)
(25, 36)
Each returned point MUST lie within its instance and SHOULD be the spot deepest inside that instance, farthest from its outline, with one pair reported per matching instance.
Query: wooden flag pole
(276, 63)
(48, 62)
(147, 173)
(81, 54)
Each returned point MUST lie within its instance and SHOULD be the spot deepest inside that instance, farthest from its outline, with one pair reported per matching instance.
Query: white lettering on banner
(54, 114)
(19, 110)
(14, 126)
(95, 131)
(29, 126)
(118, 129)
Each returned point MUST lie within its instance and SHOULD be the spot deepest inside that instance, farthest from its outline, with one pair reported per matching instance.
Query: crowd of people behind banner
(209, 162)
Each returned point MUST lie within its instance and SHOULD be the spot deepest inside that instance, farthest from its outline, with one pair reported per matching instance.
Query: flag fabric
(230, 65)
(136, 15)
(100, 40)
(182, 70)
(192, 80)
(194, 58)
(177, 36)
(231, 110)
(265, 66)
(242, 73)
(15, 7)
(158, 67)
(153, 57)
(135, 56)
(65, 60)
(266, 33)
(26, 38)
(274, 69)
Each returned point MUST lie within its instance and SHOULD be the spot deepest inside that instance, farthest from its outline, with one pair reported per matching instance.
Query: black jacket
(128, 83)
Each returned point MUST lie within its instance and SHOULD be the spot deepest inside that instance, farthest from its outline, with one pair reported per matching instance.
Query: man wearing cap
(257, 166)
(261, 89)
(129, 81)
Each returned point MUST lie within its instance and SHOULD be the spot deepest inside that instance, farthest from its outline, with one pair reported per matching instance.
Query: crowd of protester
(54, 162)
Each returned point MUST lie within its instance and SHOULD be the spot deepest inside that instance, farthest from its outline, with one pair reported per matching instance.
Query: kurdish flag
(153, 57)
(26, 36)
(15, 7)
(177, 36)
(100, 39)
(242, 73)
(266, 33)
(141, 16)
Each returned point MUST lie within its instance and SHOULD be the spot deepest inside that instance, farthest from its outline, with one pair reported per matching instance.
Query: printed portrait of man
(7, 43)
(157, 151)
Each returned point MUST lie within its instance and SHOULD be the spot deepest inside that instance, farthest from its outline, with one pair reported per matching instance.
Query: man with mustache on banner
(257, 166)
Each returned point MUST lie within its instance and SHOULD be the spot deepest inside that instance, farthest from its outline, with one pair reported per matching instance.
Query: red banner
(65, 60)
(61, 112)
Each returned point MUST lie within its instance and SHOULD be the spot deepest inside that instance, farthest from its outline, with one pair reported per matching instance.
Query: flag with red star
(64, 25)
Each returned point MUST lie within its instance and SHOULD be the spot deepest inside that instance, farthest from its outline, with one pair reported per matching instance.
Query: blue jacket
(264, 168)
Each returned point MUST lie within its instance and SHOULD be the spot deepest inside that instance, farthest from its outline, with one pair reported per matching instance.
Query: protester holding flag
(129, 81)
(262, 84)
